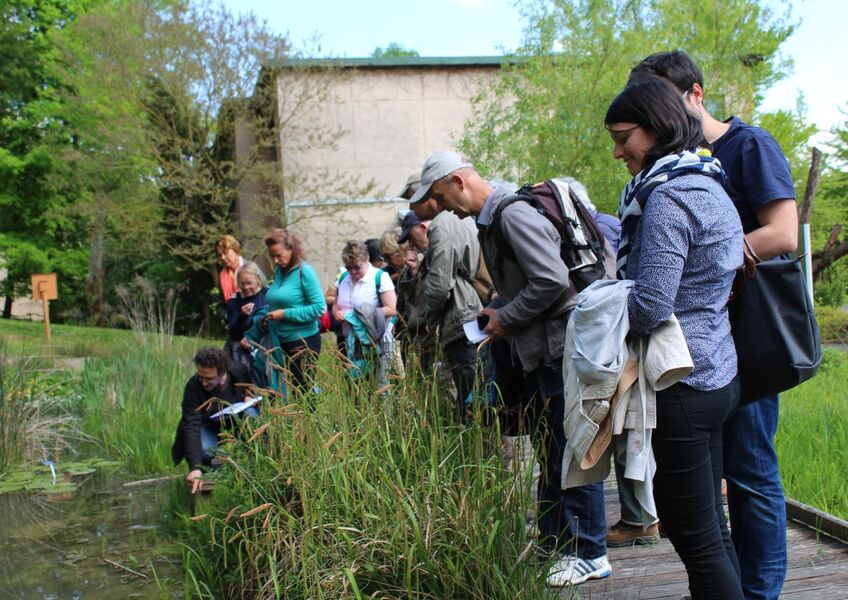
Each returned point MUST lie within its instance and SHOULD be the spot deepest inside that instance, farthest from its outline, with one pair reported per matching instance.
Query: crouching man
(532, 289)
(217, 383)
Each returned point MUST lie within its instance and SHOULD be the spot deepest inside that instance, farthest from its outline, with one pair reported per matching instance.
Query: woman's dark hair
(656, 106)
(214, 358)
(287, 240)
(374, 253)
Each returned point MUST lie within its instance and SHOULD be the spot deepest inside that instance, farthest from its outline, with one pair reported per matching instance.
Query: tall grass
(812, 439)
(131, 405)
(352, 501)
(131, 401)
(34, 422)
(149, 312)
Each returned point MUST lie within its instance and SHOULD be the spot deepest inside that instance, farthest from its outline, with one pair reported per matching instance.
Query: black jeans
(687, 446)
(301, 356)
(461, 356)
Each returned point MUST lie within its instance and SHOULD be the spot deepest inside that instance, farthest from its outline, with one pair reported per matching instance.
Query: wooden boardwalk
(818, 568)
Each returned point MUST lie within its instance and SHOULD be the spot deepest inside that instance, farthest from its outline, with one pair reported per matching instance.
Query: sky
(354, 28)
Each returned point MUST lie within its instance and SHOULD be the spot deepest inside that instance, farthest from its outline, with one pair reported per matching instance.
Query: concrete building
(350, 133)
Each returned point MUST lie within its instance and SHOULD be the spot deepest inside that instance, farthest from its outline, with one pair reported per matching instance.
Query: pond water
(57, 546)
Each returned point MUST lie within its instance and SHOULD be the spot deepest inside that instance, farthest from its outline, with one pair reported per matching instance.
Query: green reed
(367, 495)
(130, 405)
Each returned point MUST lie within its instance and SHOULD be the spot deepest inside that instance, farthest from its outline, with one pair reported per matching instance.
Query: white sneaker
(570, 570)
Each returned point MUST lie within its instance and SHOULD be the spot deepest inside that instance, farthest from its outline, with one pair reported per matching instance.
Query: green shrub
(833, 323)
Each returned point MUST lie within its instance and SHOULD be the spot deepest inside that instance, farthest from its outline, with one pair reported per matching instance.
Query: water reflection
(58, 546)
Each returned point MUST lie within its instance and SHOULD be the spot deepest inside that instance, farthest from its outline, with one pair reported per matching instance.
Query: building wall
(389, 119)
(23, 308)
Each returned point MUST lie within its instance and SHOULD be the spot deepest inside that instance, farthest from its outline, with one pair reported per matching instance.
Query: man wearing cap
(445, 297)
(532, 316)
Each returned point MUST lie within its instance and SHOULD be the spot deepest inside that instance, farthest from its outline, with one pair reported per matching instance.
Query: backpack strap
(377, 279)
(505, 250)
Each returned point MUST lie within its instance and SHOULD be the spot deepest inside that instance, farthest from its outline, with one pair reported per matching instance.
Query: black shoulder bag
(774, 327)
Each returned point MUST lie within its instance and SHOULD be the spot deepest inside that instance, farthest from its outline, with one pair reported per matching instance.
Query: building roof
(398, 62)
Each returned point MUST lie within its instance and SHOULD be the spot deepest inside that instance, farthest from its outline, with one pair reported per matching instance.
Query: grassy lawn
(27, 338)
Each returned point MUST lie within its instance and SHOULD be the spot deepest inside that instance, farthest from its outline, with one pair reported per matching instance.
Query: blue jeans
(572, 520)
(210, 432)
(687, 445)
(755, 498)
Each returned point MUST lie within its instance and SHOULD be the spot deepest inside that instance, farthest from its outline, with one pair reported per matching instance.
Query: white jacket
(610, 388)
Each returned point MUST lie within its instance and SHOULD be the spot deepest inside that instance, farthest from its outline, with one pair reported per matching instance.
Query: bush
(833, 324)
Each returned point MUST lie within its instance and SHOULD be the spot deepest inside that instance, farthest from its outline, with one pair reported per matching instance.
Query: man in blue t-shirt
(761, 188)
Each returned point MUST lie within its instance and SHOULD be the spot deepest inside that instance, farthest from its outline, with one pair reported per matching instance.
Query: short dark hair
(374, 252)
(677, 67)
(289, 241)
(656, 106)
(212, 357)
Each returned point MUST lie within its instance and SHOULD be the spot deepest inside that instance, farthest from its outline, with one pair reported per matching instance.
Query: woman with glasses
(681, 242)
(289, 322)
(365, 304)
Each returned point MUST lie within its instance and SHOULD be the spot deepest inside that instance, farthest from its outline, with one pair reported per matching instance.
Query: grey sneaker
(570, 570)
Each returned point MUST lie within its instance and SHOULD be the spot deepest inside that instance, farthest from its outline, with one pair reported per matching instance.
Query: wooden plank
(818, 565)
(817, 519)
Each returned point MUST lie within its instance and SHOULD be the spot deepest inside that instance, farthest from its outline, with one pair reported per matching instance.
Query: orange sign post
(44, 288)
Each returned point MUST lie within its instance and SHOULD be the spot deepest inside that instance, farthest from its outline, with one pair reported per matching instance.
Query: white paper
(474, 334)
(234, 409)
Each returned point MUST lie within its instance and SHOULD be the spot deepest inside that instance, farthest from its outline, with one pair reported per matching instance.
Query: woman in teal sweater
(295, 301)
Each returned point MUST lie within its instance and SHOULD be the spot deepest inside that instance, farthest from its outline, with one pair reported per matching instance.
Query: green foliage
(793, 132)
(544, 116)
(830, 210)
(832, 320)
(130, 406)
(393, 50)
(35, 225)
(813, 430)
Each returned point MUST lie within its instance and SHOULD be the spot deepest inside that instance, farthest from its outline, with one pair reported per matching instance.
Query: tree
(36, 231)
(393, 50)
(828, 220)
(544, 116)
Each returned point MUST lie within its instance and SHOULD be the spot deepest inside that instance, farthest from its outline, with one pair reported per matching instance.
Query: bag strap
(746, 272)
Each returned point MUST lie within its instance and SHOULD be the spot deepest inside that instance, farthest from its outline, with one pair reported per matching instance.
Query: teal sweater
(298, 292)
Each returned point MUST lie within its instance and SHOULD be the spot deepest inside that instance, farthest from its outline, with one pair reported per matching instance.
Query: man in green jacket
(445, 297)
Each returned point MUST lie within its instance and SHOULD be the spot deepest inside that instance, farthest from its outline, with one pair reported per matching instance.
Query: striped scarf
(636, 193)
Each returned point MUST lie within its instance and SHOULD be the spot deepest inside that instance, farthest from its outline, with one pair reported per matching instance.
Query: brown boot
(622, 534)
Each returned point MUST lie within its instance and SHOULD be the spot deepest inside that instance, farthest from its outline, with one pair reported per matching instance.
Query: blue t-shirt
(756, 167)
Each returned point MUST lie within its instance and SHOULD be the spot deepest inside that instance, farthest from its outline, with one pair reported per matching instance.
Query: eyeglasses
(356, 268)
(684, 95)
(208, 379)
